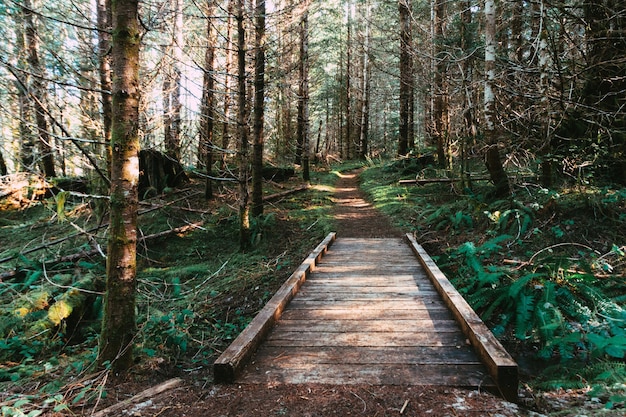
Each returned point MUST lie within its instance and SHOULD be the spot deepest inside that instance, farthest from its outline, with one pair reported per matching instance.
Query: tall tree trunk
(26, 138)
(242, 131)
(227, 83)
(492, 159)
(172, 85)
(365, 87)
(118, 325)
(104, 69)
(207, 118)
(348, 86)
(440, 108)
(259, 109)
(303, 103)
(406, 76)
(468, 93)
(38, 91)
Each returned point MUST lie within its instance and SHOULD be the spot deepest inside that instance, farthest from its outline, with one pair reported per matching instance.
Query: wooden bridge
(369, 311)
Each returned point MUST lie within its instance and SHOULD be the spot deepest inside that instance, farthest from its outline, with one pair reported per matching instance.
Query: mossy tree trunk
(118, 326)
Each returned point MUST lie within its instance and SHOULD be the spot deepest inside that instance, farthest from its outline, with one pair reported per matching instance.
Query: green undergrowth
(545, 269)
(196, 291)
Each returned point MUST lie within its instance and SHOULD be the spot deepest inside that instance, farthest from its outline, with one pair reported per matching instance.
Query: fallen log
(439, 180)
(142, 396)
(276, 196)
(85, 254)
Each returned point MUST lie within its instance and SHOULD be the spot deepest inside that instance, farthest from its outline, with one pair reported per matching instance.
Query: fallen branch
(286, 193)
(88, 231)
(86, 254)
(143, 395)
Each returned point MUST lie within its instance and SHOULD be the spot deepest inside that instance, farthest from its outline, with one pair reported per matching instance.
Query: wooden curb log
(501, 367)
(229, 365)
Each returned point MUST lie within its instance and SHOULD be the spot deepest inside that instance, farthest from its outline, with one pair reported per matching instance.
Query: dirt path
(355, 217)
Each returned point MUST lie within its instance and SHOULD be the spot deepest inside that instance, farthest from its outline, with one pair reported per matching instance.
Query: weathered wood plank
(384, 374)
(360, 288)
(440, 313)
(415, 304)
(422, 355)
(357, 339)
(370, 269)
(500, 365)
(231, 361)
(360, 325)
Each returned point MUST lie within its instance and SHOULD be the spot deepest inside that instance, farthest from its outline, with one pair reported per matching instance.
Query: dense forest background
(113, 115)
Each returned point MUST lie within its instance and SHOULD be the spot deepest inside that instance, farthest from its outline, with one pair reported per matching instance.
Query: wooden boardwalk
(367, 313)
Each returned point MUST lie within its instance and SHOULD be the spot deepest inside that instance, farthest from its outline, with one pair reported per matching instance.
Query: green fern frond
(525, 304)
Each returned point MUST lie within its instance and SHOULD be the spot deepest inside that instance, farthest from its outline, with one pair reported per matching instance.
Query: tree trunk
(26, 138)
(348, 87)
(492, 159)
(172, 85)
(38, 91)
(365, 87)
(303, 93)
(242, 131)
(104, 69)
(440, 107)
(406, 76)
(118, 325)
(227, 82)
(259, 108)
(207, 118)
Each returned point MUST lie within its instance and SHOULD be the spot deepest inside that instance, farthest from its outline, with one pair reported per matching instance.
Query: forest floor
(196, 397)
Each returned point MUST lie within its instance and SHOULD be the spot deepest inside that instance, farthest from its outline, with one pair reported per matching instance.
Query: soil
(198, 396)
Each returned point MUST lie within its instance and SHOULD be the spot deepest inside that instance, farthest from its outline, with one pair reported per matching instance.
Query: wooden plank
(317, 339)
(340, 297)
(382, 374)
(356, 305)
(441, 313)
(370, 269)
(231, 361)
(367, 286)
(360, 325)
(500, 365)
(422, 355)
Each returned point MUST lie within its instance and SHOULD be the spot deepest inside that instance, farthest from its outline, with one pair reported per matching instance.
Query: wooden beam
(229, 365)
(501, 367)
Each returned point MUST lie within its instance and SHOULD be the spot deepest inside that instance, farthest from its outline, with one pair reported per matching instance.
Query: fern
(525, 304)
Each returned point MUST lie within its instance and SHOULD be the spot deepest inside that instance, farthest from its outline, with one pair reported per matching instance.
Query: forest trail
(354, 216)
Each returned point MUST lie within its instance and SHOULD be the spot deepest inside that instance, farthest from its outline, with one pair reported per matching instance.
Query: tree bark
(492, 158)
(118, 326)
(441, 113)
(3, 165)
(172, 85)
(227, 81)
(38, 91)
(207, 118)
(406, 76)
(303, 93)
(104, 69)
(242, 131)
(259, 109)
(365, 88)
